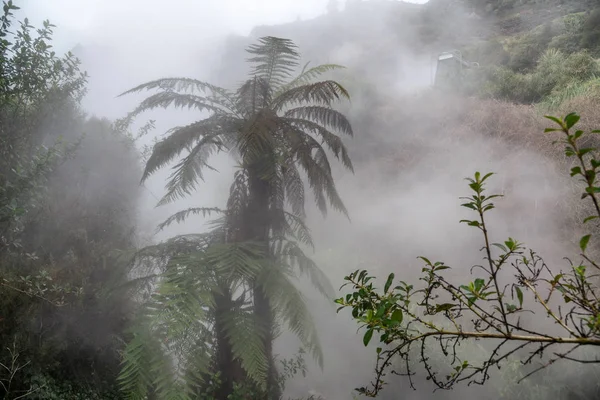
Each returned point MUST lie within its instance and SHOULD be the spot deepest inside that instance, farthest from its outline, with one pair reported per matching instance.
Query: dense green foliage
(61, 313)
(525, 49)
(554, 73)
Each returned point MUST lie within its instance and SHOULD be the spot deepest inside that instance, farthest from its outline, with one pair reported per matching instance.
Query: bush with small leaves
(409, 318)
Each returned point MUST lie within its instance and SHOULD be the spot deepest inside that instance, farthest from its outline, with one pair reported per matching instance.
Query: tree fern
(275, 125)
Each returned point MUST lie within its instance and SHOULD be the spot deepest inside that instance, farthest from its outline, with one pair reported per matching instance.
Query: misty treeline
(68, 193)
(88, 312)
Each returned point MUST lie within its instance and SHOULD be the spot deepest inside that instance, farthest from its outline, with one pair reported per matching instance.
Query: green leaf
(575, 171)
(486, 176)
(479, 284)
(388, 283)
(444, 307)
(501, 247)
(470, 223)
(590, 218)
(425, 259)
(397, 316)
(511, 244)
(567, 299)
(519, 295)
(367, 337)
(571, 119)
(593, 189)
(558, 121)
(584, 242)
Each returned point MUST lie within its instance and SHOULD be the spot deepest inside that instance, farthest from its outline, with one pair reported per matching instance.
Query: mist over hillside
(412, 147)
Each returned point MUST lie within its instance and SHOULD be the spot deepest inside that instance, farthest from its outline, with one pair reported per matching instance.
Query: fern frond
(134, 378)
(323, 93)
(198, 361)
(318, 171)
(296, 258)
(178, 244)
(275, 59)
(177, 84)
(238, 193)
(181, 216)
(294, 189)
(325, 116)
(290, 307)
(277, 200)
(253, 95)
(179, 139)
(326, 183)
(285, 224)
(217, 94)
(299, 229)
(178, 100)
(307, 76)
(247, 342)
(256, 139)
(168, 330)
(333, 142)
(189, 170)
(241, 260)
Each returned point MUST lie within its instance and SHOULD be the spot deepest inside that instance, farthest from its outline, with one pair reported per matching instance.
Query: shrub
(590, 38)
(528, 48)
(488, 53)
(554, 71)
(488, 308)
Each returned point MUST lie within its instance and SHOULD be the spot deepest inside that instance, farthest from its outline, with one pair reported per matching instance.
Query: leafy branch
(413, 322)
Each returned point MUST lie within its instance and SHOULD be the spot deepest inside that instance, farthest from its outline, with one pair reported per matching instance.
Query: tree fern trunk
(228, 367)
(265, 316)
(257, 226)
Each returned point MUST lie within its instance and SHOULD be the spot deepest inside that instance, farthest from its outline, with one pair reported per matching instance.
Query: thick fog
(400, 207)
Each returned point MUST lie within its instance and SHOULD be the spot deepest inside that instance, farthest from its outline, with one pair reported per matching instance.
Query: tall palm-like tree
(277, 125)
